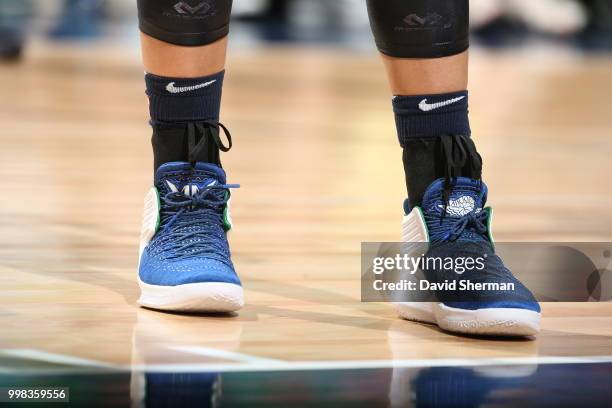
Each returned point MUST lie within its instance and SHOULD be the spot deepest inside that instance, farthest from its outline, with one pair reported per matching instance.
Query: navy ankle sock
(431, 115)
(421, 121)
(175, 104)
(184, 99)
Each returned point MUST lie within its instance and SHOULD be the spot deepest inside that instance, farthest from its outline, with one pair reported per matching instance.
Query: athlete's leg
(420, 76)
(171, 60)
(173, 55)
(185, 260)
(424, 51)
(424, 45)
(183, 49)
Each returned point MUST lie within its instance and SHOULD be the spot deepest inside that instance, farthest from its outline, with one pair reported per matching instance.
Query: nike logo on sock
(426, 107)
(179, 89)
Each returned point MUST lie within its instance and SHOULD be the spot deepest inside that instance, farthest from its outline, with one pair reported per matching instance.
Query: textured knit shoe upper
(459, 228)
(190, 244)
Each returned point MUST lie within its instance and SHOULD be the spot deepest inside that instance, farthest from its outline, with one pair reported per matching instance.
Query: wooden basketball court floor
(320, 168)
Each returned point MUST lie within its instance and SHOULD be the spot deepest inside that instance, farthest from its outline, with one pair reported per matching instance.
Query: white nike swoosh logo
(178, 89)
(426, 107)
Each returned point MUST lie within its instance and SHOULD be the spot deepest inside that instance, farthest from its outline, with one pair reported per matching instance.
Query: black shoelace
(460, 158)
(209, 140)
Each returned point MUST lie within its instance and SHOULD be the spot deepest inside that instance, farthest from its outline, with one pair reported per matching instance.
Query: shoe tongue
(182, 177)
(468, 196)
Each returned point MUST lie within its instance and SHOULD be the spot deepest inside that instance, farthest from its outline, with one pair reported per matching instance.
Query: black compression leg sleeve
(186, 22)
(420, 28)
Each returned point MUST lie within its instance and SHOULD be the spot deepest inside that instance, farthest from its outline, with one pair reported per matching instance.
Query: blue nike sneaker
(456, 225)
(185, 261)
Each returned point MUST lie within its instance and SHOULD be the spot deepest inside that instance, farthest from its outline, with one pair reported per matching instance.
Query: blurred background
(316, 154)
(584, 24)
(306, 88)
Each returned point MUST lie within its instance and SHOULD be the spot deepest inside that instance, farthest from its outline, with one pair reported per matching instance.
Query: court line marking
(58, 371)
(230, 355)
(255, 364)
(365, 364)
(39, 355)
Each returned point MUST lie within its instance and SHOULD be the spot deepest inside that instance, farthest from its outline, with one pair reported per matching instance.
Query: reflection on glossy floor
(315, 152)
(458, 387)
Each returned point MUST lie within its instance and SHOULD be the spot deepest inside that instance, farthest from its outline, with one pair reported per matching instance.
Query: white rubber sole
(207, 297)
(485, 322)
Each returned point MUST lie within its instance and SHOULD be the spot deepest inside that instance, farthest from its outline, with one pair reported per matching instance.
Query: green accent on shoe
(489, 211)
(227, 219)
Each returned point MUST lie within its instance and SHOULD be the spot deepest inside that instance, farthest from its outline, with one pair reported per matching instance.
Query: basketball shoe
(185, 261)
(456, 224)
